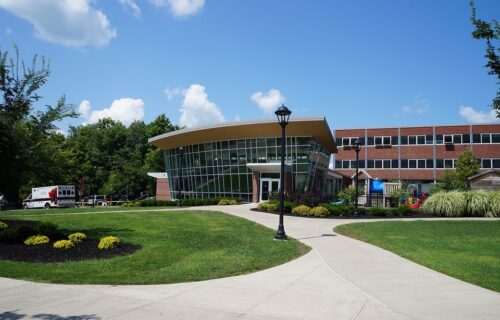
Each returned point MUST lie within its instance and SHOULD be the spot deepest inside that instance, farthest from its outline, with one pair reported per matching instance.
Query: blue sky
(359, 63)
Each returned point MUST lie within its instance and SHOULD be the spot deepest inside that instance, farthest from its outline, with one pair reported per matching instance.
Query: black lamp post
(180, 181)
(356, 181)
(283, 114)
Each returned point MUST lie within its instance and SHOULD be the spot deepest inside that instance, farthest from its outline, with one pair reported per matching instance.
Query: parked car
(96, 200)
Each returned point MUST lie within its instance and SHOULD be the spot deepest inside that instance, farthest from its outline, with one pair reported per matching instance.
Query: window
(486, 163)
(362, 141)
(448, 139)
(420, 139)
(485, 138)
(429, 139)
(361, 164)
(395, 163)
(439, 163)
(387, 164)
(394, 140)
(346, 141)
(495, 138)
(476, 138)
(378, 141)
(338, 164)
(345, 164)
(371, 164)
(448, 163)
(496, 163)
(387, 141)
(439, 139)
(466, 138)
(404, 163)
(412, 164)
(404, 139)
(371, 141)
(378, 164)
(421, 163)
(457, 138)
(412, 140)
(429, 163)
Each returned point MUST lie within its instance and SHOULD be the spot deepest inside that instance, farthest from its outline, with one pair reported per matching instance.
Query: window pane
(412, 140)
(394, 140)
(345, 164)
(429, 139)
(448, 163)
(362, 141)
(394, 163)
(495, 138)
(476, 138)
(387, 164)
(338, 141)
(404, 163)
(485, 138)
(466, 138)
(421, 139)
(448, 138)
(496, 163)
(370, 141)
(421, 164)
(486, 163)
(387, 140)
(361, 164)
(412, 164)
(346, 141)
(404, 139)
(338, 164)
(439, 139)
(439, 163)
(371, 164)
(378, 164)
(457, 138)
(378, 140)
(430, 163)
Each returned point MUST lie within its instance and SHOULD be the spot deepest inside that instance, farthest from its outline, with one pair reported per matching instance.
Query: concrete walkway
(340, 278)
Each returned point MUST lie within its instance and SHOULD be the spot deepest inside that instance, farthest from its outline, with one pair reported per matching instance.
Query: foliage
(36, 240)
(458, 179)
(25, 231)
(302, 210)
(3, 225)
(396, 195)
(225, 202)
(342, 210)
(63, 244)
(298, 198)
(158, 203)
(348, 194)
(484, 31)
(108, 242)
(495, 204)
(478, 203)
(319, 211)
(447, 204)
(378, 212)
(9, 236)
(403, 210)
(77, 237)
(46, 227)
(269, 206)
(205, 202)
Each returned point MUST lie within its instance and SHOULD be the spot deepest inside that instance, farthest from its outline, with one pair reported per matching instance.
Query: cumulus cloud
(132, 5)
(181, 7)
(125, 110)
(171, 93)
(197, 110)
(473, 116)
(269, 101)
(67, 22)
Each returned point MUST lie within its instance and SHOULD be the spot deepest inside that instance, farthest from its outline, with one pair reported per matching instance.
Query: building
(488, 180)
(418, 155)
(242, 159)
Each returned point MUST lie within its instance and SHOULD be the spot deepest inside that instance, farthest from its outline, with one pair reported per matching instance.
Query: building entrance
(267, 187)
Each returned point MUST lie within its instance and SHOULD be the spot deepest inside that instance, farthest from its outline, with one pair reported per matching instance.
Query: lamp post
(356, 181)
(180, 181)
(283, 114)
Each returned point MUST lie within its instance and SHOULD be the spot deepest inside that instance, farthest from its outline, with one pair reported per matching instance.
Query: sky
(358, 63)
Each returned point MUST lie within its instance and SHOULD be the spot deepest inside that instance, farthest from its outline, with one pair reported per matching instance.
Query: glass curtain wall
(218, 169)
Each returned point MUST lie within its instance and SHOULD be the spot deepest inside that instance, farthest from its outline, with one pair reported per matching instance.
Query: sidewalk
(340, 278)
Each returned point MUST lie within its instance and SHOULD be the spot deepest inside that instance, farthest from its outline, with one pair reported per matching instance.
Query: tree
(465, 166)
(484, 30)
(27, 138)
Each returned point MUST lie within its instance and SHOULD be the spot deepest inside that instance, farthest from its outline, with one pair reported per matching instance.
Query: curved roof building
(242, 159)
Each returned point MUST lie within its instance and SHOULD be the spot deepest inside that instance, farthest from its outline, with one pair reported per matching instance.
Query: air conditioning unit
(448, 139)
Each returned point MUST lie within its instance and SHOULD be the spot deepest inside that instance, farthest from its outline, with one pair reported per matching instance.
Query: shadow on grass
(13, 315)
(97, 232)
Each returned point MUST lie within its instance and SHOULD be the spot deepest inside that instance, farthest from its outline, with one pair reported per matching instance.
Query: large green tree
(28, 140)
(489, 32)
(465, 166)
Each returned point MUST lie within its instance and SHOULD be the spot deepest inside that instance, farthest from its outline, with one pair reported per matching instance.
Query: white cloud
(197, 110)
(132, 5)
(181, 7)
(269, 101)
(420, 105)
(171, 93)
(473, 116)
(67, 22)
(125, 110)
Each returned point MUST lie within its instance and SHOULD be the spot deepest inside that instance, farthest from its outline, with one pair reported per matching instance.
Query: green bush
(108, 242)
(447, 204)
(9, 236)
(349, 194)
(25, 231)
(378, 212)
(269, 206)
(342, 210)
(302, 210)
(46, 227)
(478, 203)
(37, 240)
(319, 211)
(403, 210)
(3, 225)
(158, 203)
(77, 237)
(494, 204)
(225, 202)
(63, 244)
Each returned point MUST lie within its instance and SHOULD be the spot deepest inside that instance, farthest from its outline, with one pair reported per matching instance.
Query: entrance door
(267, 187)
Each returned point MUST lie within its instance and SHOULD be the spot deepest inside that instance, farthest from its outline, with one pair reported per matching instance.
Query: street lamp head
(283, 114)
(356, 145)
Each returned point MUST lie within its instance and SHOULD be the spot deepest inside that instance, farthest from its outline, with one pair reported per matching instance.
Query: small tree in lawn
(465, 167)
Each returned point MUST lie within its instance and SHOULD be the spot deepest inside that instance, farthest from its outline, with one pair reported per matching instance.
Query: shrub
(108, 242)
(378, 212)
(25, 231)
(37, 240)
(63, 244)
(77, 237)
(396, 196)
(269, 206)
(478, 203)
(225, 202)
(46, 227)
(448, 204)
(402, 210)
(302, 210)
(137, 204)
(319, 211)
(9, 236)
(158, 203)
(3, 225)
(349, 194)
(494, 204)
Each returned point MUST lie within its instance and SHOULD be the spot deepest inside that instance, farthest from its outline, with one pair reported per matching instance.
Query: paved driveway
(340, 278)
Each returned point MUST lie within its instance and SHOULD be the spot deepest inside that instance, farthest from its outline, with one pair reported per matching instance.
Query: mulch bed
(85, 250)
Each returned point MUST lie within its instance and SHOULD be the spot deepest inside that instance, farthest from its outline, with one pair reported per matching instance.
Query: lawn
(466, 250)
(31, 212)
(176, 246)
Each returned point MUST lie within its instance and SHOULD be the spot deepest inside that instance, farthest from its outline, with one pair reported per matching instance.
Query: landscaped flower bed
(54, 247)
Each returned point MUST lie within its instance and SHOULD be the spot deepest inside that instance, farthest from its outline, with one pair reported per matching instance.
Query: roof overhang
(316, 128)
(158, 175)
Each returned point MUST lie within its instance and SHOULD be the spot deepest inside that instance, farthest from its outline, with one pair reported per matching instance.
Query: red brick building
(418, 155)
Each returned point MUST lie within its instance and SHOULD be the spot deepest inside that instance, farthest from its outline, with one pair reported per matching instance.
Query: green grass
(31, 212)
(177, 246)
(466, 250)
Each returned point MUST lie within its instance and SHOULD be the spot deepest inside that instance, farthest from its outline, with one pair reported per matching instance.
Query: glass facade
(219, 169)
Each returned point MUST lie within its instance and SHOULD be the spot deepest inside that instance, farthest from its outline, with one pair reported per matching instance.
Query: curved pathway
(340, 278)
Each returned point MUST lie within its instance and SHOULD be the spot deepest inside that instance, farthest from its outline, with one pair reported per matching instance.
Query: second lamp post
(356, 180)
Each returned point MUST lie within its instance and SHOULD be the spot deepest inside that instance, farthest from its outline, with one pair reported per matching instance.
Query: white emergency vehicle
(50, 197)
